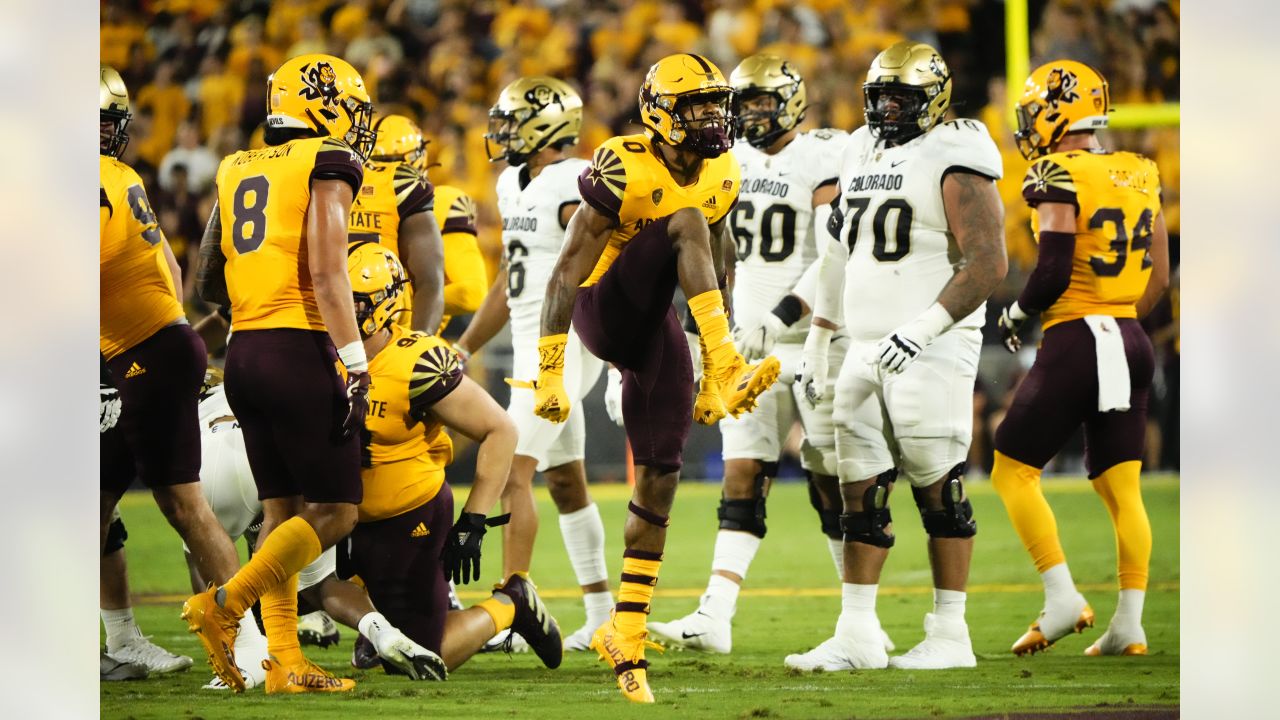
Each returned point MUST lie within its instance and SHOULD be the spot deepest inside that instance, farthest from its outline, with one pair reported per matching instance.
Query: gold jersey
(136, 294)
(1117, 199)
(263, 197)
(465, 280)
(392, 191)
(405, 447)
(629, 183)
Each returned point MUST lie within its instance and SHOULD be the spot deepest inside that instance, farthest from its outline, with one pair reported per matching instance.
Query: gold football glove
(550, 401)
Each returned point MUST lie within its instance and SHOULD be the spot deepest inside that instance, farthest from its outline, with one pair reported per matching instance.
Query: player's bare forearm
(724, 254)
(490, 318)
(211, 281)
(327, 258)
(471, 411)
(585, 239)
(1159, 281)
(976, 218)
(423, 253)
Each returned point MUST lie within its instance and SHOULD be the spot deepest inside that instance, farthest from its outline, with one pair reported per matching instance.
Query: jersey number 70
(901, 229)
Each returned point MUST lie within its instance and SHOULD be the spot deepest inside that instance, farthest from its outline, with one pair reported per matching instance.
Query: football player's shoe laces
(946, 644)
(1117, 641)
(217, 629)
(410, 658)
(696, 631)
(505, 642)
(626, 656)
(1049, 628)
(533, 621)
(741, 383)
(151, 656)
(303, 677)
(318, 629)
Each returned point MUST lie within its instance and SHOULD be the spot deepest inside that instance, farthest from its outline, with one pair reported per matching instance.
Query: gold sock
(639, 576)
(280, 618)
(1120, 490)
(288, 549)
(1019, 487)
(501, 609)
(713, 325)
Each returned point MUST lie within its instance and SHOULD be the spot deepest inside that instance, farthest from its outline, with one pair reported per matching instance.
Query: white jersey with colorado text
(773, 222)
(902, 251)
(532, 235)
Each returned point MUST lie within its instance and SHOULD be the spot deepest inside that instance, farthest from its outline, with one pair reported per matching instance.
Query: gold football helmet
(675, 86)
(532, 113)
(767, 75)
(908, 90)
(377, 285)
(399, 139)
(323, 94)
(113, 112)
(1060, 97)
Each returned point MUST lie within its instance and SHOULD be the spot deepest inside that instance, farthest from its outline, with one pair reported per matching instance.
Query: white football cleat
(140, 650)
(695, 631)
(581, 638)
(250, 655)
(318, 629)
(505, 641)
(855, 647)
(1055, 622)
(409, 657)
(946, 645)
(1119, 641)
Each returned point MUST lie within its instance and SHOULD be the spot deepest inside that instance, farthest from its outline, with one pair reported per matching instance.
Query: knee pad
(830, 519)
(748, 515)
(868, 525)
(955, 519)
(116, 535)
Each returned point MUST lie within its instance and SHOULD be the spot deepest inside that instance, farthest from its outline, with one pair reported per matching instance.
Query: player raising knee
(275, 253)
(652, 218)
(531, 127)
(918, 233)
(1104, 263)
(789, 181)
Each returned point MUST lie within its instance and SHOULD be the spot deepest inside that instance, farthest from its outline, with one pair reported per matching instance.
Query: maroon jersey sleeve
(414, 192)
(335, 160)
(1047, 181)
(603, 182)
(436, 373)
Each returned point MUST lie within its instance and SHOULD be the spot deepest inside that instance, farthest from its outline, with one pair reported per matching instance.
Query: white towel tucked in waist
(1113, 365)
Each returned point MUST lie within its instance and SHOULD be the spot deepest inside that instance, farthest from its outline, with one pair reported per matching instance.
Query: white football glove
(108, 407)
(901, 347)
(1010, 323)
(613, 396)
(811, 376)
(755, 342)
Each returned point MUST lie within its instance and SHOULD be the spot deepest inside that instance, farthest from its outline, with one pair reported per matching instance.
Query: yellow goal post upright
(1018, 66)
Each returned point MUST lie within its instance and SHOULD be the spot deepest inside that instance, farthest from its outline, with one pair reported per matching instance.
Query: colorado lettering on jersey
(520, 224)
(881, 181)
(765, 186)
(267, 153)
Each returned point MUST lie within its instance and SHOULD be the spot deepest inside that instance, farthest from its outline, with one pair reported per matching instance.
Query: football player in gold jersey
(154, 358)
(652, 219)
(275, 253)
(407, 545)
(395, 209)
(465, 278)
(1104, 263)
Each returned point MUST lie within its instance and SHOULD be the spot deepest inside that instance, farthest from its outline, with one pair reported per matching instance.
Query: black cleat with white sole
(533, 621)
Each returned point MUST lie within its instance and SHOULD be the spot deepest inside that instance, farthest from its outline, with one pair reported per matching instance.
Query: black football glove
(461, 554)
(357, 403)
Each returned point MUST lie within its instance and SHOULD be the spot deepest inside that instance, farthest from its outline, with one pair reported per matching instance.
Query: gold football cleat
(1095, 650)
(626, 657)
(1034, 641)
(303, 677)
(217, 629)
(741, 383)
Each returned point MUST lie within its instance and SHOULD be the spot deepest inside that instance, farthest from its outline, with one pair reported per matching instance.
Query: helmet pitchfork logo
(321, 82)
(1060, 87)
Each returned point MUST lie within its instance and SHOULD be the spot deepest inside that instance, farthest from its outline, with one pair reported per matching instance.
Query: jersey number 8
(249, 213)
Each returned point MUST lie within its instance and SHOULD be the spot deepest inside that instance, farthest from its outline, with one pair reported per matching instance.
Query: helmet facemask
(378, 309)
(504, 133)
(361, 136)
(709, 134)
(897, 112)
(753, 122)
(1030, 143)
(113, 137)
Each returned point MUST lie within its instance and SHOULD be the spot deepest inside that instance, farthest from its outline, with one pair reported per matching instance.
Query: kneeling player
(1104, 262)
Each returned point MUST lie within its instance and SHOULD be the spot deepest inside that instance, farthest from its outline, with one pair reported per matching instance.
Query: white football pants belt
(1113, 364)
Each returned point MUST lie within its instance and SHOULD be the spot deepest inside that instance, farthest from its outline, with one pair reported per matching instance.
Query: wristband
(818, 338)
(789, 310)
(1016, 312)
(934, 321)
(353, 357)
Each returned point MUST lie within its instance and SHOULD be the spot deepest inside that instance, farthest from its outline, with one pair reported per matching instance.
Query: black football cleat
(533, 621)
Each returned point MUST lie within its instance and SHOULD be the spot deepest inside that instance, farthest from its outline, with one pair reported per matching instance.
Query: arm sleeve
(335, 160)
(603, 183)
(436, 373)
(414, 192)
(832, 257)
(1052, 275)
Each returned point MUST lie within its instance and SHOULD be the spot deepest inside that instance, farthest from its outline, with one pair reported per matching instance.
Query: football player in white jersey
(917, 246)
(534, 122)
(788, 182)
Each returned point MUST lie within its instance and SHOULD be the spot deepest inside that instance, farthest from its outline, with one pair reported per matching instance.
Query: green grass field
(790, 604)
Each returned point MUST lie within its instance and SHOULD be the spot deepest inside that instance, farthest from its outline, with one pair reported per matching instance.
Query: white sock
(857, 605)
(734, 552)
(948, 603)
(721, 599)
(1058, 585)
(120, 628)
(583, 534)
(598, 605)
(249, 633)
(374, 626)
(1129, 610)
(837, 555)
